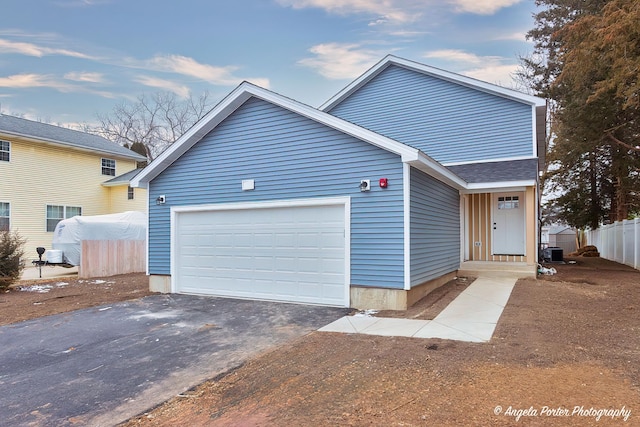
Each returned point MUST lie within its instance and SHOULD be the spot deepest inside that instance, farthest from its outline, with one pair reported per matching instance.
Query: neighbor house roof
(56, 135)
(246, 91)
(537, 103)
(123, 179)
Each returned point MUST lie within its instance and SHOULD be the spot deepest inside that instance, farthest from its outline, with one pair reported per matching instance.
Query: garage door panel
(290, 253)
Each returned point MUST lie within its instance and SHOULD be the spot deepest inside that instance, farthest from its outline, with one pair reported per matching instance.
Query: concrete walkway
(471, 317)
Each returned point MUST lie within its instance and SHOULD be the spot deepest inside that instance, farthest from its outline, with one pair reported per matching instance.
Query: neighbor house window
(5, 151)
(56, 213)
(129, 193)
(71, 211)
(109, 167)
(5, 211)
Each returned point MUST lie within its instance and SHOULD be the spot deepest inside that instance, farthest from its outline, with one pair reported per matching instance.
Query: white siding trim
(503, 159)
(172, 249)
(321, 201)
(147, 242)
(463, 227)
(490, 187)
(437, 171)
(534, 130)
(406, 189)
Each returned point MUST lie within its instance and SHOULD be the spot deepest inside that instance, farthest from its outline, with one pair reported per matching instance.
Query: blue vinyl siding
(448, 121)
(289, 157)
(435, 228)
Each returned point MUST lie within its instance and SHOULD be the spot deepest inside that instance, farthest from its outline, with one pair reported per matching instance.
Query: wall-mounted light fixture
(365, 185)
(161, 200)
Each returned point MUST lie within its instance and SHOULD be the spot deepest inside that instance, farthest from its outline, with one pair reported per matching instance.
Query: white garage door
(276, 253)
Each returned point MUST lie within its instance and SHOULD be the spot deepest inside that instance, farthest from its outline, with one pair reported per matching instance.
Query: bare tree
(152, 123)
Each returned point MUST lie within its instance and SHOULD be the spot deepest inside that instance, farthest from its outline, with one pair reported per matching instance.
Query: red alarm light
(384, 182)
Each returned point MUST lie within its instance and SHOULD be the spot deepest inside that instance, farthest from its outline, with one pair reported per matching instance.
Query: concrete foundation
(362, 297)
(365, 298)
(160, 284)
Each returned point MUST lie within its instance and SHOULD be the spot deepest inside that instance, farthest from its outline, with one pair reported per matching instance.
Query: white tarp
(69, 233)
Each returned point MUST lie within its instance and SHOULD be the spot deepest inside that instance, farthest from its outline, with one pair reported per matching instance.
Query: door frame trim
(522, 199)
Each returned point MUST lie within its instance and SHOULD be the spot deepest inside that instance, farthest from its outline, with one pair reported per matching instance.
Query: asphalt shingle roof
(125, 178)
(513, 170)
(63, 136)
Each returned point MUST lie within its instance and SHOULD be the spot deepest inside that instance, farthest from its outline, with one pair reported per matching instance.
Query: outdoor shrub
(11, 252)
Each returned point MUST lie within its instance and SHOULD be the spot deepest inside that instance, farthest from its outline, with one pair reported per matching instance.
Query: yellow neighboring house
(49, 173)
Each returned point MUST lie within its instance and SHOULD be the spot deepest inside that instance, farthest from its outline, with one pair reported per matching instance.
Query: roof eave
(496, 187)
(436, 170)
(66, 144)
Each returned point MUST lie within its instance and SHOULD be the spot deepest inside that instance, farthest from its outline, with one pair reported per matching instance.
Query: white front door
(508, 224)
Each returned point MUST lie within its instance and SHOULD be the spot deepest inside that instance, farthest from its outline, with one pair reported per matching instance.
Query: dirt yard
(566, 353)
(28, 299)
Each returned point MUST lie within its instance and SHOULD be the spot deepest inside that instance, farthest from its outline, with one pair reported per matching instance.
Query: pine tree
(588, 65)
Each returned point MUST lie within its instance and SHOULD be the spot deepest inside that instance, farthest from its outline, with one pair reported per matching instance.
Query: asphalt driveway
(103, 365)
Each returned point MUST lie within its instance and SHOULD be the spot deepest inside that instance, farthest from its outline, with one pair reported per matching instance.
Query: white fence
(618, 242)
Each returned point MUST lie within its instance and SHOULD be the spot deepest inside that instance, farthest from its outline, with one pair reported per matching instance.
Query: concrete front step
(518, 270)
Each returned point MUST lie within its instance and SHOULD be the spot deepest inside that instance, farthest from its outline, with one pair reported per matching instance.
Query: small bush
(11, 253)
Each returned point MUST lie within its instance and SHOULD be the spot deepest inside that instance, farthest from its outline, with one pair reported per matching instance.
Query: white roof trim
(436, 170)
(496, 187)
(436, 72)
(495, 160)
(234, 100)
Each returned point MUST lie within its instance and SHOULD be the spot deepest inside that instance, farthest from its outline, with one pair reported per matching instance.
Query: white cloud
(85, 77)
(81, 3)
(30, 49)
(340, 61)
(519, 36)
(482, 7)
(492, 69)
(397, 11)
(183, 65)
(190, 67)
(32, 80)
(178, 89)
(455, 55)
(497, 74)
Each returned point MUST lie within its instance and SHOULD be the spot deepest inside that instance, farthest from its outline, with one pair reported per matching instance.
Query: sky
(68, 61)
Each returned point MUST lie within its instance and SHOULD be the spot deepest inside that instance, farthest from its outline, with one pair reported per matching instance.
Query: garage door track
(100, 366)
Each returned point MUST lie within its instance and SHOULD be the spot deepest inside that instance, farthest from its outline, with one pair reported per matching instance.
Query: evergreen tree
(587, 63)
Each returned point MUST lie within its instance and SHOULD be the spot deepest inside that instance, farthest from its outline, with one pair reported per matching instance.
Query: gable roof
(50, 134)
(246, 91)
(390, 60)
(538, 104)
